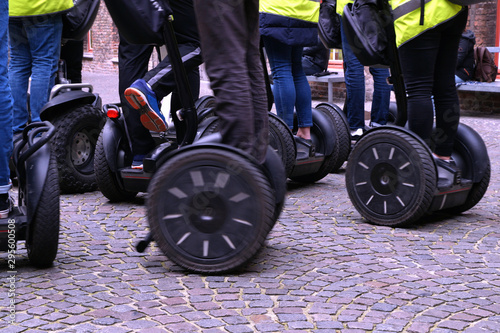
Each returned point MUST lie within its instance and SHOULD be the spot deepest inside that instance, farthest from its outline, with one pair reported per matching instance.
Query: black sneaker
(448, 170)
(6, 205)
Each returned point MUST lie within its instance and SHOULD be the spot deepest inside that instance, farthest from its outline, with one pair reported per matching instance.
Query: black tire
(320, 141)
(107, 180)
(390, 177)
(205, 107)
(476, 193)
(343, 143)
(74, 147)
(281, 140)
(210, 210)
(43, 239)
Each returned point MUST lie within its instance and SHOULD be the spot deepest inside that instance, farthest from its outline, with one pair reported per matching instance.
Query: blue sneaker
(140, 96)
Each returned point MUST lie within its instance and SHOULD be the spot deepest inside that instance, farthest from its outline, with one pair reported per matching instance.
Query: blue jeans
(355, 87)
(290, 87)
(5, 102)
(35, 44)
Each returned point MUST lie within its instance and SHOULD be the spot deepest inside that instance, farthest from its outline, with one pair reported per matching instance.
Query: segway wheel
(43, 231)
(74, 146)
(281, 140)
(107, 180)
(343, 143)
(205, 107)
(391, 177)
(209, 209)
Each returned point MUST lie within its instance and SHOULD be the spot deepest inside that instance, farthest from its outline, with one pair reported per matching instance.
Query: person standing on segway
(229, 34)
(286, 27)
(5, 114)
(428, 38)
(35, 30)
(141, 91)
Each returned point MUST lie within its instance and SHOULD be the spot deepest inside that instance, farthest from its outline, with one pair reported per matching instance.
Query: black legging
(428, 63)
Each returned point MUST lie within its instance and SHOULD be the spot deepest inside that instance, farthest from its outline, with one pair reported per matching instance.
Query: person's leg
(280, 61)
(355, 86)
(5, 114)
(19, 73)
(257, 83)
(446, 101)
(303, 100)
(419, 81)
(72, 54)
(44, 36)
(381, 95)
(132, 65)
(224, 33)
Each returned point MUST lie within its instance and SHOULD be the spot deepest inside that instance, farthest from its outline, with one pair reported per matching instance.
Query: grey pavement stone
(322, 269)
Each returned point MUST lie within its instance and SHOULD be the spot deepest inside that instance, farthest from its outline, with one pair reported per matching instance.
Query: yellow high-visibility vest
(306, 10)
(407, 17)
(20, 8)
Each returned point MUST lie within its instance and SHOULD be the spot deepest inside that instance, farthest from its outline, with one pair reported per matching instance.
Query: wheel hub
(207, 212)
(80, 149)
(384, 178)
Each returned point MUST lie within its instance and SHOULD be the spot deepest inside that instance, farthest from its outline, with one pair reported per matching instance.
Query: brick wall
(479, 102)
(103, 58)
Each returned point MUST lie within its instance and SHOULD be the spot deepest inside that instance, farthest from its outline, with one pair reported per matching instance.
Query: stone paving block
(322, 269)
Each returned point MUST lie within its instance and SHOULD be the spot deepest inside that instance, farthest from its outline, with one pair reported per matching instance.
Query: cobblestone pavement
(322, 269)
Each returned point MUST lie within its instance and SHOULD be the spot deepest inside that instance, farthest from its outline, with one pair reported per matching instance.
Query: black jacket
(317, 54)
(465, 60)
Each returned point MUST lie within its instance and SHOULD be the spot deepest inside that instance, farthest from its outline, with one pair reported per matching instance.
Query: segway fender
(112, 136)
(327, 128)
(61, 103)
(469, 143)
(36, 174)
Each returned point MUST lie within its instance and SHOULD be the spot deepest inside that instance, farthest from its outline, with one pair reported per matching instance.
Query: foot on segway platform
(140, 96)
(6, 205)
(305, 145)
(449, 173)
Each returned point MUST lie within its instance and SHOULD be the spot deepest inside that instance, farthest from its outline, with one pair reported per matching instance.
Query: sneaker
(6, 205)
(137, 162)
(141, 97)
(356, 134)
(448, 170)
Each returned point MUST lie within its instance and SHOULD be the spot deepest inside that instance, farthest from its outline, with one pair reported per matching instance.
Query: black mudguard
(63, 102)
(327, 128)
(471, 146)
(114, 132)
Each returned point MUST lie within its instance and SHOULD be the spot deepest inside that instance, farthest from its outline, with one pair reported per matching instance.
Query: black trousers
(229, 34)
(72, 54)
(428, 63)
(133, 62)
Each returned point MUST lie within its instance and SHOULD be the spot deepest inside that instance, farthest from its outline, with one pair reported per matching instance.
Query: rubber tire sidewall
(72, 180)
(255, 179)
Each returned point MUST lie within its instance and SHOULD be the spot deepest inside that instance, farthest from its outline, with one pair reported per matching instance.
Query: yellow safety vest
(306, 10)
(341, 4)
(20, 8)
(407, 20)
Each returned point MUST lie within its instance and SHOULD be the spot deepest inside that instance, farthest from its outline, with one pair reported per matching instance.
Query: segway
(391, 177)
(210, 206)
(35, 218)
(76, 113)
